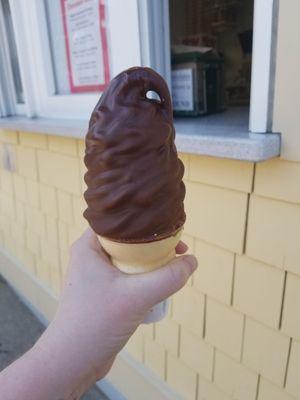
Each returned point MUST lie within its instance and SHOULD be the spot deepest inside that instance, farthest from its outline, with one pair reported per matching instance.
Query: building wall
(234, 331)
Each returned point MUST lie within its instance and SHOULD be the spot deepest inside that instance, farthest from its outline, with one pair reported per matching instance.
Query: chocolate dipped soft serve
(135, 191)
(134, 182)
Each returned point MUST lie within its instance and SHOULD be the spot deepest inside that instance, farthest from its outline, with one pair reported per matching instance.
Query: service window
(211, 45)
(212, 51)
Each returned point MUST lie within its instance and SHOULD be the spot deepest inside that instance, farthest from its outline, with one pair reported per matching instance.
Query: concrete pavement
(19, 330)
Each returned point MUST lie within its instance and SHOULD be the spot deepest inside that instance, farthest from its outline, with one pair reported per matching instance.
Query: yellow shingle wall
(41, 202)
(234, 331)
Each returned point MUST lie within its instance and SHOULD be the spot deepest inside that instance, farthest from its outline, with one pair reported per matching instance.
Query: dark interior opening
(211, 46)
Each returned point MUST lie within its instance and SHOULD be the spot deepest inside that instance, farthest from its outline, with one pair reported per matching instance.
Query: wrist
(38, 374)
(57, 358)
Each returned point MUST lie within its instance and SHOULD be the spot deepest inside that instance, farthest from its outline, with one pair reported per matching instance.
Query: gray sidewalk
(19, 329)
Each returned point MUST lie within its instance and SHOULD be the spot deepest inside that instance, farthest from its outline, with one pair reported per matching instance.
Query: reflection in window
(77, 34)
(14, 61)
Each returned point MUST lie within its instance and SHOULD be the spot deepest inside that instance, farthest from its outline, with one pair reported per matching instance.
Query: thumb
(155, 286)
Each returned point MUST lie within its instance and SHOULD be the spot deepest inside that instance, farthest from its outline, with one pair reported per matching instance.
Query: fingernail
(192, 262)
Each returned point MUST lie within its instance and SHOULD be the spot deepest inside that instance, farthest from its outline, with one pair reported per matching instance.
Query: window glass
(78, 40)
(13, 55)
(211, 55)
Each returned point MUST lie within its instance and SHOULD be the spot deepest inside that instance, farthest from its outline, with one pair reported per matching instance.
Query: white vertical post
(260, 101)
(155, 36)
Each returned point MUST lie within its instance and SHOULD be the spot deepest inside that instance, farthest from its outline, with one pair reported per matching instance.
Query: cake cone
(137, 258)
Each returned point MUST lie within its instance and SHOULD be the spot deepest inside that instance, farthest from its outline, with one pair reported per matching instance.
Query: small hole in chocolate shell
(154, 96)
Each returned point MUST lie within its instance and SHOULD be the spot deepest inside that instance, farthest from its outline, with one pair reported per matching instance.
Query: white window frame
(8, 99)
(265, 23)
(146, 28)
(38, 70)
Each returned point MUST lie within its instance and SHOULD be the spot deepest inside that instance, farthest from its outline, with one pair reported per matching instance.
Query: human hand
(101, 307)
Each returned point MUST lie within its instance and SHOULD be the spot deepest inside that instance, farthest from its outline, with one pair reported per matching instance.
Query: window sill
(226, 135)
(212, 137)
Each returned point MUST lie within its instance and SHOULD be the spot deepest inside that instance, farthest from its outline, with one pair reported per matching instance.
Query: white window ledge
(214, 136)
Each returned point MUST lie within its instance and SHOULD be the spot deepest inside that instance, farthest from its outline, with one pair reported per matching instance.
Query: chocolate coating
(134, 177)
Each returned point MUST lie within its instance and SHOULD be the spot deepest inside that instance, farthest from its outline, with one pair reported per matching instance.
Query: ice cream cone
(135, 189)
(137, 258)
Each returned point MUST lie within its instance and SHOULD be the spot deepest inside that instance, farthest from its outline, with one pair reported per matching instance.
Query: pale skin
(99, 309)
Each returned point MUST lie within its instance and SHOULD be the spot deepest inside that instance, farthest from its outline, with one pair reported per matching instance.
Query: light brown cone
(137, 258)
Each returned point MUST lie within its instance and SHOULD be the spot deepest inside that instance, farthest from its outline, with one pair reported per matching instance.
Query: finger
(89, 240)
(155, 286)
(88, 235)
(181, 248)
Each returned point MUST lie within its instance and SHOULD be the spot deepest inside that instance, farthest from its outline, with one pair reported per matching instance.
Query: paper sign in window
(86, 44)
(182, 89)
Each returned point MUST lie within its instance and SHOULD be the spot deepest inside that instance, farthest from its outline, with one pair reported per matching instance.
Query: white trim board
(154, 32)
(127, 380)
(263, 61)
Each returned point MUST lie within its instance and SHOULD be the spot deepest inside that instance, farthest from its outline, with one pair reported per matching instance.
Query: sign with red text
(86, 44)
